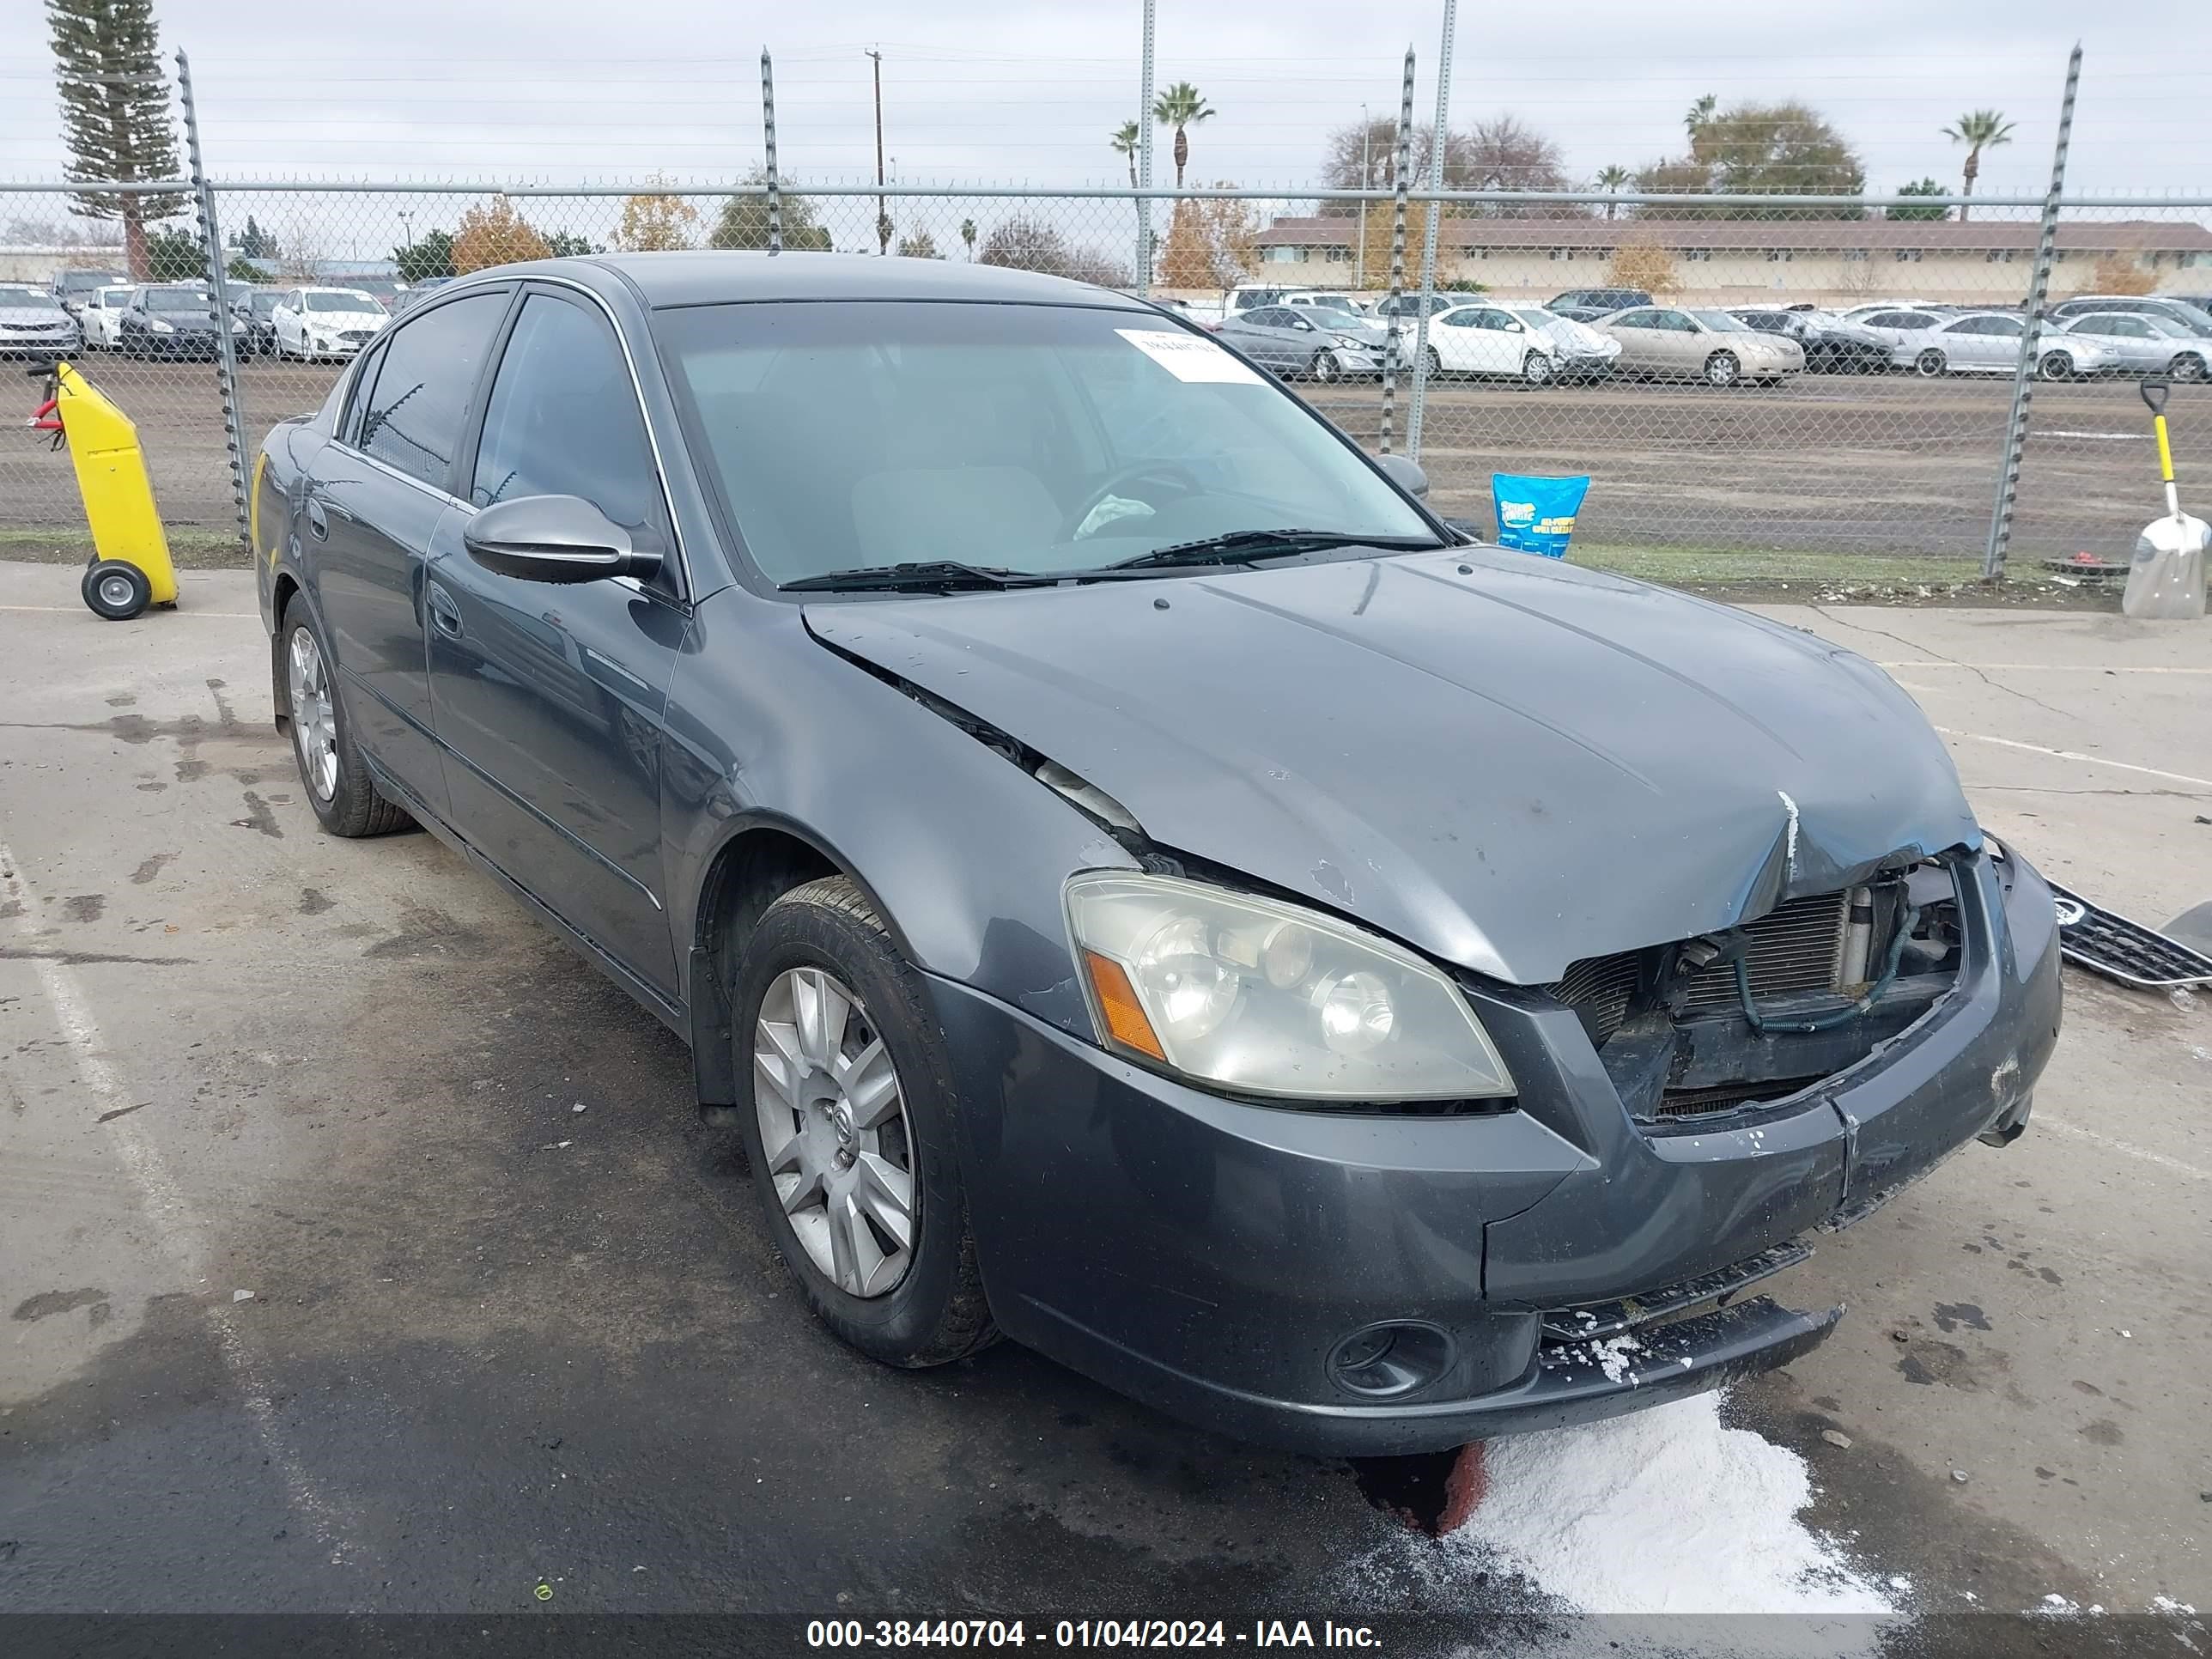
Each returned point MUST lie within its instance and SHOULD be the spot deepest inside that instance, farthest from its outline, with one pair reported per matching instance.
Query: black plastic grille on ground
(2109, 943)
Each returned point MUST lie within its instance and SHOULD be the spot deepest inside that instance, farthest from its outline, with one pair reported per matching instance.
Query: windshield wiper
(1241, 546)
(931, 576)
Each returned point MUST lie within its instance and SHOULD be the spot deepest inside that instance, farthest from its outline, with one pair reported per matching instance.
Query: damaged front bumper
(1559, 1263)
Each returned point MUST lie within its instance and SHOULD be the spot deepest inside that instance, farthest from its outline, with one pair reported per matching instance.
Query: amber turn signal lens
(1117, 1000)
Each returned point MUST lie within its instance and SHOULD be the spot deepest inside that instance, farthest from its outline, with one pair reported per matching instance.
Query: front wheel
(2055, 366)
(1723, 369)
(1536, 369)
(850, 1133)
(1929, 362)
(116, 590)
(1325, 367)
(339, 787)
(1436, 364)
(2185, 366)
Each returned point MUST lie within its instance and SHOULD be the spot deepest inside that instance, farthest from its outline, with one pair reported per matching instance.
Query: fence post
(768, 136)
(2023, 372)
(1436, 148)
(1144, 161)
(1400, 164)
(225, 356)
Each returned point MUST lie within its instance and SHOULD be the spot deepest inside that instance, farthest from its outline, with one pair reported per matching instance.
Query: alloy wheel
(834, 1126)
(2186, 368)
(1930, 362)
(1722, 369)
(117, 590)
(314, 719)
(1536, 369)
(1326, 368)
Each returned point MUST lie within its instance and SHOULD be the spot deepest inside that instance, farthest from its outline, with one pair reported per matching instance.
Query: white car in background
(326, 322)
(1491, 339)
(1345, 307)
(1584, 353)
(1983, 343)
(102, 315)
(2147, 344)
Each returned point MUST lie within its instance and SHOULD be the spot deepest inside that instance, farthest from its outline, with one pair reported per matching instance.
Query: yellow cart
(131, 568)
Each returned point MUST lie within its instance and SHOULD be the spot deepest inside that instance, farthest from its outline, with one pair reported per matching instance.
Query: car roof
(705, 276)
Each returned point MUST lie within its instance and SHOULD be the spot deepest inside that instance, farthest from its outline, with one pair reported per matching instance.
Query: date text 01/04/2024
(1084, 1633)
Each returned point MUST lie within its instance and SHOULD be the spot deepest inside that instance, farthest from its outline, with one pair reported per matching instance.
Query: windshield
(175, 299)
(83, 281)
(264, 301)
(18, 299)
(1537, 318)
(1333, 302)
(1720, 323)
(1037, 439)
(340, 302)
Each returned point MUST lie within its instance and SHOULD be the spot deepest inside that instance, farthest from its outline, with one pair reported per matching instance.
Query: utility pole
(1366, 182)
(407, 226)
(883, 214)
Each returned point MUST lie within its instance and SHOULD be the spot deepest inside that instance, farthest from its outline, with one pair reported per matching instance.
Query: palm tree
(968, 235)
(1128, 138)
(1978, 129)
(1612, 178)
(1180, 106)
(1700, 112)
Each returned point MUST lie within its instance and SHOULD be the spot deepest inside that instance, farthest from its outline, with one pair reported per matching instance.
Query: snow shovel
(2166, 578)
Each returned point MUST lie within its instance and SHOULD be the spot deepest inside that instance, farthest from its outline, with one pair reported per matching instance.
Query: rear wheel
(339, 787)
(1536, 369)
(1721, 369)
(2186, 367)
(1436, 364)
(850, 1133)
(1929, 362)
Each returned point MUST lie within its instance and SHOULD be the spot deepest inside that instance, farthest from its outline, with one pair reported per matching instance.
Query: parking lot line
(2048, 668)
(2075, 1132)
(2072, 754)
(70, 609)
(165, 1205)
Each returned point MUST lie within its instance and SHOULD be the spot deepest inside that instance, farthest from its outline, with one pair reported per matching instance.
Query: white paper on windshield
(1190, 356)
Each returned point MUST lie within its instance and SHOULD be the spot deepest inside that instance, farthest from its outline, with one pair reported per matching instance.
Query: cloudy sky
(558, 90)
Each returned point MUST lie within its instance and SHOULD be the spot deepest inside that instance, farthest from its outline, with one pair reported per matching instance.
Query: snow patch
(1664, 1510)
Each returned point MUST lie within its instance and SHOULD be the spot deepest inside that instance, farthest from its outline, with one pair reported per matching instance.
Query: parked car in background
(1309, 344)
(1405, 309)
(1583, 353)
(74, 287)
(33, 324)
(1586, 305)
(1674, 342)
(101, 316)
(1344, 305)
(2143, 344)
(412, 293)
(256, 307)
(2192, 317)
(169, 320)
(1831, 345)
(1932, 342)
(1489, 340)
(1270, 1057)
(325, 322)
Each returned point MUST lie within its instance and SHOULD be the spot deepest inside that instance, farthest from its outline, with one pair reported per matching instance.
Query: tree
(2116, 272)
(495, 234)
(243, 270)
(1978, 129)
(570, 244)
(1505, 153)
(1783, 149)
(743, 221)
(1028, 244)
(1128, 140)
(255, 243)
(968, 235)
(1180, 107)
(1210, 244)
(1923, 187)
(655, 223)
(1360, 157)
(173, 256)
(1612, 179)
(115, 114)
(918, 244)
(427, 257)
(1698, 114)
(1644, 264)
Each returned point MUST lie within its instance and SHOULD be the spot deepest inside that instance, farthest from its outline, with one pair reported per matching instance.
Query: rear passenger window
(412, 419)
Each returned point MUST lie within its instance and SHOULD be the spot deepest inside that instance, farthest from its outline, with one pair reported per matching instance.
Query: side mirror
(1405, 472)
(553, 538)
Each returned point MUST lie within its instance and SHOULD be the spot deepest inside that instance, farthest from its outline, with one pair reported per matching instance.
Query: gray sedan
(2147, 344)
(33, 324)
(1136, 881)
(1306, 342)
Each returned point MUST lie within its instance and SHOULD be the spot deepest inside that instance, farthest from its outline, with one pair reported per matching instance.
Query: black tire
(1436, 364)
(2055, 366)
(354, 809)
(2186, 367)
(1325, 367)
(1930, 363)
(1536, 369)
(1722, 369)
(116, 589)
(936, 1312)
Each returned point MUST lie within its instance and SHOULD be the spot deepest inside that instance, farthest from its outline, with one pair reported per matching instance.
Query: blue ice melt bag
(1536, 515)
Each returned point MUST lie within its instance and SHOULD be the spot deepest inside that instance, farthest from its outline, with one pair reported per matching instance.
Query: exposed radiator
(1797, 947)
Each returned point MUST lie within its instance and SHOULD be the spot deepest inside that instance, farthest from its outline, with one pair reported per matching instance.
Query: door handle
(445, 615)
(318, 524)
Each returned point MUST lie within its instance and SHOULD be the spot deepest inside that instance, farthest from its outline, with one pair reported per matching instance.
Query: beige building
(1742, 261)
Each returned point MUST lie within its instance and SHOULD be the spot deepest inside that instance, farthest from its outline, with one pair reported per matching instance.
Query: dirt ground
(1842, 464)
(363, 1253)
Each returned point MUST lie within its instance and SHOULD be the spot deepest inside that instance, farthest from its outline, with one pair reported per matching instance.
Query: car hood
(328, 320)
(32, 317)
(1512, 768)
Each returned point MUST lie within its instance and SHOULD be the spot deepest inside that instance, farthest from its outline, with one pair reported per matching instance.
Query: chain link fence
(1815, 380)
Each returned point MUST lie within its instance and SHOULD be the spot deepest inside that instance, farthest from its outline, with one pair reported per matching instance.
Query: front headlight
(1351, 344)
(1268, 999)
(160, 327)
